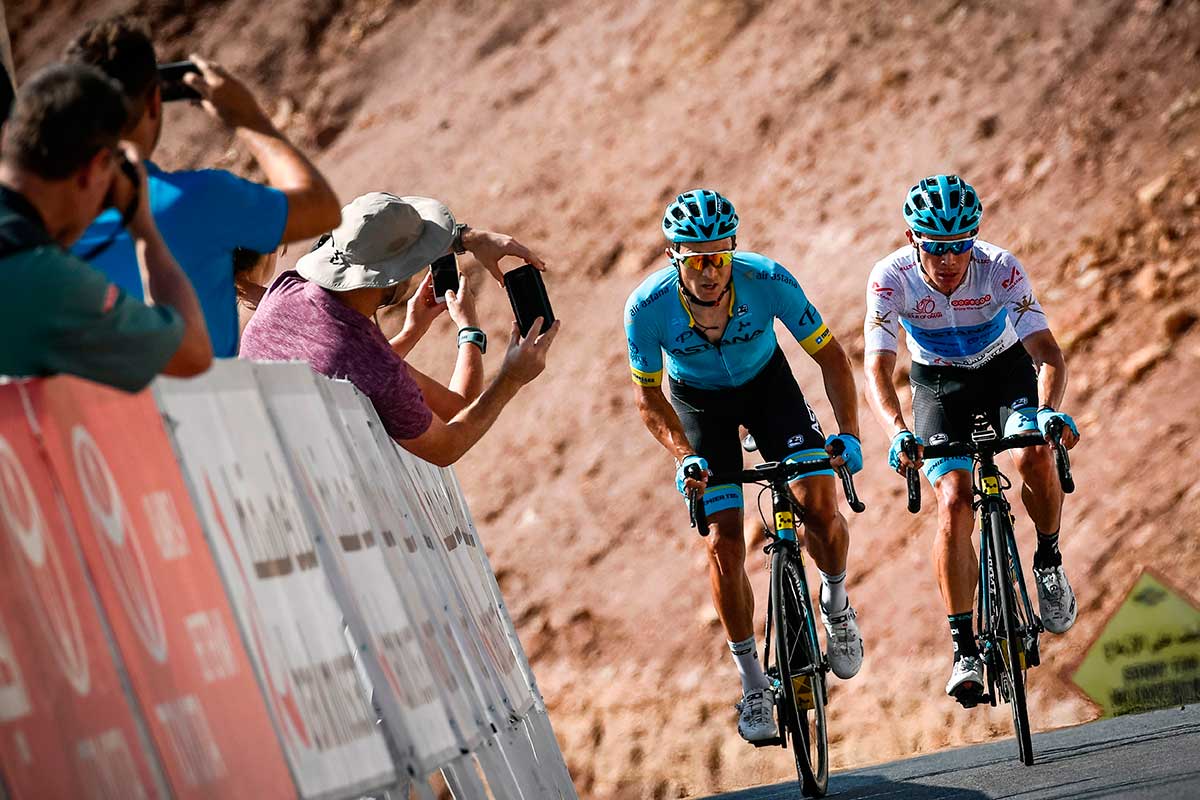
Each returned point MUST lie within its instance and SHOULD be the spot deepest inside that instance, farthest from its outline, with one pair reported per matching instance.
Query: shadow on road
(860, 785)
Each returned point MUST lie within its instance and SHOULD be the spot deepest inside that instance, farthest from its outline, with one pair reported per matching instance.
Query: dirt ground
(571, 124)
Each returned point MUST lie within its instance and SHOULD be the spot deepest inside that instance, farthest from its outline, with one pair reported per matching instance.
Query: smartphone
(445, 276)
(527, 294)
(171, 77)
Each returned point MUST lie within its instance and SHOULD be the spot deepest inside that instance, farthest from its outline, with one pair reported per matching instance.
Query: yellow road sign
(1148, 655)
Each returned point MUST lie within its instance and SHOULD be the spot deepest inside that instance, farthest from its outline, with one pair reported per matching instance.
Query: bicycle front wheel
(1011, 638)
(801, 674)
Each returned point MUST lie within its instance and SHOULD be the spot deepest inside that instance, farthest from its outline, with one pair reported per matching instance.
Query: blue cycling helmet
(699, 215)
(943, 205)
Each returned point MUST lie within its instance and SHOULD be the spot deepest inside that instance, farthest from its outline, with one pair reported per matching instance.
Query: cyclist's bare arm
(881, 394)
(662, 421)
(839, 385)
(1052, 373)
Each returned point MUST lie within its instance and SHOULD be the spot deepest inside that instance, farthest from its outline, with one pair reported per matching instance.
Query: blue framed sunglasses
(955, 246)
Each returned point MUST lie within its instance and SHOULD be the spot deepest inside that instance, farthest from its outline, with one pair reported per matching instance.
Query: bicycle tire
(1012, 652)
(796, 648)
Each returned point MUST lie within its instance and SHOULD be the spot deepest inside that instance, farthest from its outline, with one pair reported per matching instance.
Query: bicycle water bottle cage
(982, 430)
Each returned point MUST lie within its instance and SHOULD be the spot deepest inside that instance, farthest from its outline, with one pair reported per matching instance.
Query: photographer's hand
(312, 206)
(488, 248)
(526, 358)
(422, 310)
(227, 98)
(461, 304)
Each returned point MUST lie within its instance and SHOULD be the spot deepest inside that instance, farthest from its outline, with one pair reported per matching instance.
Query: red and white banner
(67, 726)
(160, 588)
(241, 485)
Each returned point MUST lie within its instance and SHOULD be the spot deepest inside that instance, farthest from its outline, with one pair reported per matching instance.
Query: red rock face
(571, 125)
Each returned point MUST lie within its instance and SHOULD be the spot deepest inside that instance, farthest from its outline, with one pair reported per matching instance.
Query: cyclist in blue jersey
(980, 344)
(712, 312)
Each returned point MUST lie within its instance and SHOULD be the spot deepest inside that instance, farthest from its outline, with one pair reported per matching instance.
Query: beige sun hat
(383, 240)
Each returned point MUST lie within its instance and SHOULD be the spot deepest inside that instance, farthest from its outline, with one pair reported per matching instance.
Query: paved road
(1155, 755)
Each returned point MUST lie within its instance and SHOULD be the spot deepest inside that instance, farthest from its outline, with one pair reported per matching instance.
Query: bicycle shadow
(859, 785)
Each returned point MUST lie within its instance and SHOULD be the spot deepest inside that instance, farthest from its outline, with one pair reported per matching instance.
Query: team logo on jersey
(926, 308)
(683, 337)
(742, 310)
(1012, 280)
(882, 321)
(882, 291)
(939, 438)
(1024, 306)
(971, 302)
(633, 348)
(796, 440)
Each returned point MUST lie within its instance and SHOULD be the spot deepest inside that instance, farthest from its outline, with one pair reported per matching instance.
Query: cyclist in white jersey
(980, 344)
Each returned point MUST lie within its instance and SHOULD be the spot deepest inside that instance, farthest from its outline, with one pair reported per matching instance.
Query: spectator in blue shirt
(204, 215)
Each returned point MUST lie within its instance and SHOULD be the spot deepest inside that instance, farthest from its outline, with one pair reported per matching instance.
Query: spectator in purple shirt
(324, 312)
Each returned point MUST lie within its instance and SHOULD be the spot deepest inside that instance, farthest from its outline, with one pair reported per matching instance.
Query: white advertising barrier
(424, 565)
(536, 721)
(291, 622)
(402, 544)
(510, 761)
(428, 513)
(405, 685)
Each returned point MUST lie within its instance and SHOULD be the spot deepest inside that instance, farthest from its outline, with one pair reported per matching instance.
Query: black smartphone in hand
(170, 76)
(527, 294)
(445, 276)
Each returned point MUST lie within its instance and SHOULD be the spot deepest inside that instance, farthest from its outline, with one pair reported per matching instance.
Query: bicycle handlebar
(1053, 430)
(770, 472)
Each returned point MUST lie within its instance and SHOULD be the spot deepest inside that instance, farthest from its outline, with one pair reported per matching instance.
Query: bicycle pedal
(774, 741)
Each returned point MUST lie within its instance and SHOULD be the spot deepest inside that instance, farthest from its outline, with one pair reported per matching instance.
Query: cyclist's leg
(941, 413)
(1040, 489)
(713, 432)
(1042, 495)
(786, 429)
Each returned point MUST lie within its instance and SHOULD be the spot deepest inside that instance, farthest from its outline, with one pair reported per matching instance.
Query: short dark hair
(121, 47)
(62, 117)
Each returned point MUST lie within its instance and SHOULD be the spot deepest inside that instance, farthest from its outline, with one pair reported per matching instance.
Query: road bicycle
(799, 666)
(1008, 628)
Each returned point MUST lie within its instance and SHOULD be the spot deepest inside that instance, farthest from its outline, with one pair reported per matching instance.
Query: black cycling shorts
(770, 405)
(946, 400)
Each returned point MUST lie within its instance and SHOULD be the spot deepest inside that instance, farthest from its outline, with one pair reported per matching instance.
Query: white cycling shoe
(1056, 600)
(843, 642)
(756, 715)
(966, 680)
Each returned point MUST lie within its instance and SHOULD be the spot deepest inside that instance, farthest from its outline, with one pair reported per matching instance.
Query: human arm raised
(313, 207)
(489, 248)
(164, 282)
(443, 443)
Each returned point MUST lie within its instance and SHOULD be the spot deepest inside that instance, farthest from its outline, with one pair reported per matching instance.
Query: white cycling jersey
(992, 309)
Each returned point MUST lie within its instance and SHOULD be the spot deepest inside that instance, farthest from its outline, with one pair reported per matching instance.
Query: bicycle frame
(989, 487)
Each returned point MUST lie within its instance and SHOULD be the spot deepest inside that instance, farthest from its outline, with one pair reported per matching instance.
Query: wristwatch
(473, 335)
(457, 243)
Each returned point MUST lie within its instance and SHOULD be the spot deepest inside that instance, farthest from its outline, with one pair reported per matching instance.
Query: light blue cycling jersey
(657, 319)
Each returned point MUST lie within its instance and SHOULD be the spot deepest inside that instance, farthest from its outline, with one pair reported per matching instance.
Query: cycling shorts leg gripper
(800, 456)
(935, 468)
(722, 498)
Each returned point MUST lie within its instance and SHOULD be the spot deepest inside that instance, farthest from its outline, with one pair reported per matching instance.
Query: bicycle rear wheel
(798, 659)
(1010, 638)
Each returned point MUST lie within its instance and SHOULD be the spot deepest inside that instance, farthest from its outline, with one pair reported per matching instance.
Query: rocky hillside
(570, 124)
